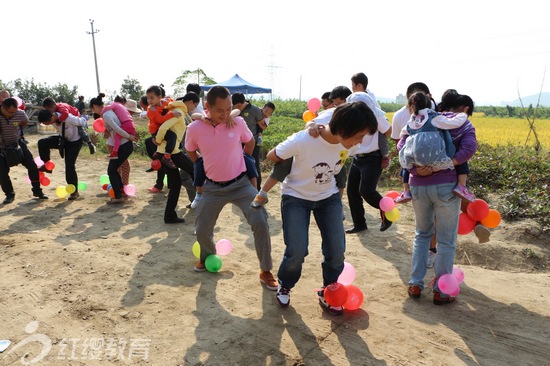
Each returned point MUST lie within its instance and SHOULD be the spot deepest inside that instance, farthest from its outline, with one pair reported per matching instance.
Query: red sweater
(66, 109)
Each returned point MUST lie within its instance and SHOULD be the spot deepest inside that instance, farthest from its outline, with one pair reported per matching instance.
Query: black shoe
(43, 169)
(149, 170)
(385, 225)
(175, 220)
(9, 199)
(354, 230)
(40, 195)
(92, 148)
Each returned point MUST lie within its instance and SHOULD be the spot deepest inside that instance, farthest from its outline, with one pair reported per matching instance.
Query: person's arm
(76, 121)
(63, 112)
(449, 123)
(249, 146)
(272, 156)
(467, 147)
(262, 124)
(193, 155)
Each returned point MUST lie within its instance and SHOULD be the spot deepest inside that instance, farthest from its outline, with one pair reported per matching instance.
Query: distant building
(400, 99)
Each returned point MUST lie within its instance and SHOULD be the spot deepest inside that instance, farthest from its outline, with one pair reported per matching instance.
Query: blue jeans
(429, 203)
(296, 215)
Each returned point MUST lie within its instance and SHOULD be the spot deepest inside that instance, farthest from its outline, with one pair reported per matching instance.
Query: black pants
(362, 181)
(72, 149)
(124, 151)
(256, 156)
(151, 149)
(28, 162)
(183, 162)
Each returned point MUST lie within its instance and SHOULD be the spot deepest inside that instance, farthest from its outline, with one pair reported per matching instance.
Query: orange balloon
(112, 193)
(308, 116)
(492, 220)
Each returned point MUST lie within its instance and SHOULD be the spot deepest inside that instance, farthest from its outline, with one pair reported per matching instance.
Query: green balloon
(165, 180)
(213, 263)
(82, 186)
(104, 179)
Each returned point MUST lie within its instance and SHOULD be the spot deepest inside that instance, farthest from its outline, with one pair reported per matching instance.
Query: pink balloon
(313, 105)
(130, 190)
(38, 161)
(454, 294)
(28, 179)
(387, 204)
(348, 274)
(223, 247)
(458, 274)
(447, 283)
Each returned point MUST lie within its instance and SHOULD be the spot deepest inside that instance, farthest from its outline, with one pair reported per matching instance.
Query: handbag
(13, 154)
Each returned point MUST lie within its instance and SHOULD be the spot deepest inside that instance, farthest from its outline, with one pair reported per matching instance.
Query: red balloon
(45, 181)
(355, 298)
(156, 164)
(99, 125)
(104, 187)
(478, 210)
(336, 294)
(465, 224)
(50, 165)
(41, 175)
(392, 194)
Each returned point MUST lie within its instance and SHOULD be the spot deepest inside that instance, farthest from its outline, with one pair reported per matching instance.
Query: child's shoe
(112, 155)
(482, 233)
(260, 200)
(463, 192)
(195, 202)
(167, 159)
(92, 148)
(404, 197)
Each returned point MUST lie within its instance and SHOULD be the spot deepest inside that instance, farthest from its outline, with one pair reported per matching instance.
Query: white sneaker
(283, 296)
(195, 202)
(431, 259)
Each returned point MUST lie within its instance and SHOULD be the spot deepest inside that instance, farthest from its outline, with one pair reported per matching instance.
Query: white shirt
(316, 161)
(199, 109)
(370, 142)
(399, 121)
(324, 117)
(71, 127)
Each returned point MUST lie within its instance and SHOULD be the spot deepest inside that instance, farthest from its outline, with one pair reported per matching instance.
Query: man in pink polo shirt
(221, 149)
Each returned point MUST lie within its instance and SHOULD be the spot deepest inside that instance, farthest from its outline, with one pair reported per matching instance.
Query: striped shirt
(11, 133)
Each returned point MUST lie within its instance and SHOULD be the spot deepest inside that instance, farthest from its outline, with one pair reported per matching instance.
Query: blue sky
(481, 49)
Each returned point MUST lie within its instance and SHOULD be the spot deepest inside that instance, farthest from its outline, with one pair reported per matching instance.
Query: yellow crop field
(504, 131)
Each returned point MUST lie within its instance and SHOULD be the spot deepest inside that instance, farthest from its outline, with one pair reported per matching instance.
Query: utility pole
(95, 56)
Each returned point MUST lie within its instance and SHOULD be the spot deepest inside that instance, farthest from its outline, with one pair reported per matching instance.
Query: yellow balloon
(393, 215)
(308, 116)
(70, 188)
(196, 249)
(60, 192)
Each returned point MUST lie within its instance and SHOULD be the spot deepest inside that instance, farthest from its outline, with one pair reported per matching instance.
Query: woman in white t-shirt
(311, 188)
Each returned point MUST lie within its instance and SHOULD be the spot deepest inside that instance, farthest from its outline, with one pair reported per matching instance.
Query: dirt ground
(85, 283)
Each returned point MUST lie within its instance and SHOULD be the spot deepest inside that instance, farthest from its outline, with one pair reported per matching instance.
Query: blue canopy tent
(238, 84)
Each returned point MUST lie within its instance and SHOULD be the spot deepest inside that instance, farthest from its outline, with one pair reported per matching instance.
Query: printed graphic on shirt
(324, 173)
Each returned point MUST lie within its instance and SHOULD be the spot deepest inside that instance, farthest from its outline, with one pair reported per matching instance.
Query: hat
(131, 105)
(340, 92)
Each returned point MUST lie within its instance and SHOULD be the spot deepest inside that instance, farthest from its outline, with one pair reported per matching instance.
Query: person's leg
(5, 181)
(72, 150)
(370, 174)
(187, 181)
(327, 214)
(447, 209)
(256, 156)
(45, 145)
(241, 193)
(124, 151)
(174, 180)
(461, 190)
(32, 169)
(295, 215)
(169, 144)
(355, 200)
(207, 213)
(200, 177)
(424, 214)
(405, 196)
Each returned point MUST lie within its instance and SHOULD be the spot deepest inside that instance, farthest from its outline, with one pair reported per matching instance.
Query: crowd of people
(213, 150)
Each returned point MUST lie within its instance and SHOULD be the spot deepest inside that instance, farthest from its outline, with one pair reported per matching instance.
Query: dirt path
(115, 283)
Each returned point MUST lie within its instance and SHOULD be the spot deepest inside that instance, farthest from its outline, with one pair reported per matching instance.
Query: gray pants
(240, 193)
